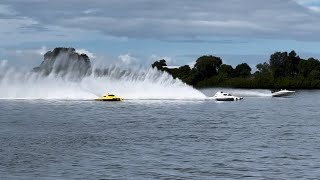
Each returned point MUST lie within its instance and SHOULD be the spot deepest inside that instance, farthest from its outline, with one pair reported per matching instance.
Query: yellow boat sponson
(109, 97)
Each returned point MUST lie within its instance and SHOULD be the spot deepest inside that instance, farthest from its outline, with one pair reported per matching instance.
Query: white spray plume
(129, 84)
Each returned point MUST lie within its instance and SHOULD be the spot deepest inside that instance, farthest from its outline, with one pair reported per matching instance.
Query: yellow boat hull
(109, 97)
(114, 99)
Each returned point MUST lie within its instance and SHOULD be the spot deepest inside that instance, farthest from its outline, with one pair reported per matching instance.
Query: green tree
(284, 70)
(277, 63)
(291, 64)
(184, 71)
(283, 64)
(242, 70)
(226, 70)
(262, 76)
(207, 66)
(263, 68)
(314, 75)
(306, 66)
(159, 64)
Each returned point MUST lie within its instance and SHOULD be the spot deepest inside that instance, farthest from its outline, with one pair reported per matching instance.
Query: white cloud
(3, 63)
(127, 59)
(42, 50)
(314, 5)
(315, 8)
(306, 2)
(88, 53)
(91, 11)
(191, 64)
(155, 57)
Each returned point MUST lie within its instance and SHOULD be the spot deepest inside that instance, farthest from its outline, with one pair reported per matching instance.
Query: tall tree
(242, 70)
(277, 63)
(291, 64)
(306, 66)
(207, 66)
(227, 70)
(263, 68)
(159, 64)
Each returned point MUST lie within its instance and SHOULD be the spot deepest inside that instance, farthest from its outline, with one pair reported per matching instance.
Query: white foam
(239, 92)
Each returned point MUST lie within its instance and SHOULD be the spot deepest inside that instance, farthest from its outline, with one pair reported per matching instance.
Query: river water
(259, 137)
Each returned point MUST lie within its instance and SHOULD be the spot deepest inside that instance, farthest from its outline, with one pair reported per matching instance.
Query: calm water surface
(257, 138)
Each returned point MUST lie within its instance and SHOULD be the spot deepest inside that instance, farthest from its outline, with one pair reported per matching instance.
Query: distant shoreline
(283, 71)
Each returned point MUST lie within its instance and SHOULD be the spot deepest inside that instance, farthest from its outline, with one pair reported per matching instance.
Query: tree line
(283, 70)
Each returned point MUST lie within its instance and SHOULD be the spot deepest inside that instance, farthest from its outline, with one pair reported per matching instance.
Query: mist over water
(239, 92)
(127, 83)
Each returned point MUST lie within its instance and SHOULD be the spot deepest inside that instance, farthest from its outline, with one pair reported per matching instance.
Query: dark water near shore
(257, 138)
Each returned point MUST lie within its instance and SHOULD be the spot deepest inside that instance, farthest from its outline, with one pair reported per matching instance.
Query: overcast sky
(144, 30)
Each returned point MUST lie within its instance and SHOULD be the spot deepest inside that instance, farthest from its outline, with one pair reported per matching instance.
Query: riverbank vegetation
(283, 70)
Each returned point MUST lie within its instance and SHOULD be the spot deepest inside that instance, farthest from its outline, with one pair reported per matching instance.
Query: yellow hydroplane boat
(109, 97)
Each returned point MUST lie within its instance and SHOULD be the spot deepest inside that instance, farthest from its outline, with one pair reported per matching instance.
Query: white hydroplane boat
(221, 96)
(282, 93)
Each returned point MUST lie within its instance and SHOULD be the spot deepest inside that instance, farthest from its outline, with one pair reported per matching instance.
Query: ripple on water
(257, 138)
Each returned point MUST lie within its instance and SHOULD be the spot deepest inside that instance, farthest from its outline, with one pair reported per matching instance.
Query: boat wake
(252, 92)
(239, 92)
(127, 83)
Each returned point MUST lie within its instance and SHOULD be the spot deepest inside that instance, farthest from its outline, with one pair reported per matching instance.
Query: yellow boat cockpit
(109, 97)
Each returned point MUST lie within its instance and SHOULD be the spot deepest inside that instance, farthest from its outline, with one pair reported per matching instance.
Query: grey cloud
(185, 19)
(6, 10)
